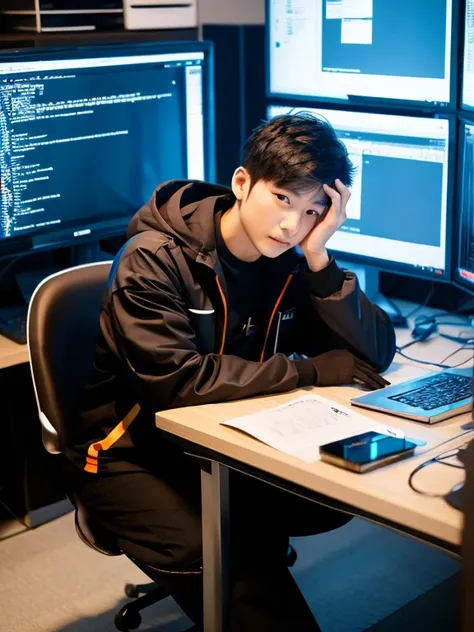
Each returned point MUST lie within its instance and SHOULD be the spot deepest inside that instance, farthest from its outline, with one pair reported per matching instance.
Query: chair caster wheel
(126, 621)
(131, 591)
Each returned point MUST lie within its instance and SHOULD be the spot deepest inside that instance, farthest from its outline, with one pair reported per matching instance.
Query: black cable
(437, 459)
(437, 364)
(458, 436)
(400, 352)
(432, 330)
(421, 467)
(424, 318)
(409, 344)
(456, 366)
(424, 304)
(461, 348)
(452, 324)
(449, 456)
(460, 339)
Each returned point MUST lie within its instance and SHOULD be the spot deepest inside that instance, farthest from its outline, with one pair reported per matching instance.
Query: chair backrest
(63, 321)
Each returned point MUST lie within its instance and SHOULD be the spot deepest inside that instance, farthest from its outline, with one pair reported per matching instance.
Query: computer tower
(46, 16)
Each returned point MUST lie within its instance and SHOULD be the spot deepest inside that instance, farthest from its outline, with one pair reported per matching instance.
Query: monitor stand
(88, 253)
(368, 278)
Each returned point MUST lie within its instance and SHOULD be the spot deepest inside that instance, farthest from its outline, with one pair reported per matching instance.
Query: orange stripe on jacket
(224, 302)
(92, 459)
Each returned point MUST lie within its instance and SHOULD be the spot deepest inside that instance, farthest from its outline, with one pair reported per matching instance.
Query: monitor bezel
(362, 102)
(51, 237)
(457, 280)
(463, 109)
(393, 266)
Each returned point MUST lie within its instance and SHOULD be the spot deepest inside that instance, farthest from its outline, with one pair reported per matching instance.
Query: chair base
(129, 617)
(133, 591)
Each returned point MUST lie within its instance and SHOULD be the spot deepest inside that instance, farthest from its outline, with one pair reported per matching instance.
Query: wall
(231, 11)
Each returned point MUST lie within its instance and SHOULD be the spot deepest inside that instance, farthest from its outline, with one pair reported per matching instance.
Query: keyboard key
(436, 392)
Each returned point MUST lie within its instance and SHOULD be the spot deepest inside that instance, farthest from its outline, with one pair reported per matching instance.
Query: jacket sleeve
(337, 314)
(151, 332)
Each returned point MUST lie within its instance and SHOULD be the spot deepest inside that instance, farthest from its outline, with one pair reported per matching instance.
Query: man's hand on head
(314, 244)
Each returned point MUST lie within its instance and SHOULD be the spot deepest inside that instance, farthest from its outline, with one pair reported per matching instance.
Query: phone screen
(367, 447)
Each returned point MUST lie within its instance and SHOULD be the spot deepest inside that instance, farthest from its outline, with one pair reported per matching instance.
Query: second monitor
(344, 51)
(400, 209)
(463, 264)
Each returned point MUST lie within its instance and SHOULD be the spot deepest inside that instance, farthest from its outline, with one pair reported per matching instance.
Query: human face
(277, 219)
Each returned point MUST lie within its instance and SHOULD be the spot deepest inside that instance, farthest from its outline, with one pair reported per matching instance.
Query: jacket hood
(184, 210)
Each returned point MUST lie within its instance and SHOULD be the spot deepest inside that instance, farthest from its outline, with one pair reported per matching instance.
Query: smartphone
(367, 451)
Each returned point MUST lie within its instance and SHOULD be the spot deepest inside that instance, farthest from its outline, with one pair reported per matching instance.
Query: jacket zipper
(278, 301)
(224, 303)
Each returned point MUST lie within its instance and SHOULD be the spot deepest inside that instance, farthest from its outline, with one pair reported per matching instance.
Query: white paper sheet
(300, 426)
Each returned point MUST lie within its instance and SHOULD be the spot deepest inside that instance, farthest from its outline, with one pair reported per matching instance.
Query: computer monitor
(467, 88)
(398, 217)
(463, 268)
(87, 133)
(363, 51)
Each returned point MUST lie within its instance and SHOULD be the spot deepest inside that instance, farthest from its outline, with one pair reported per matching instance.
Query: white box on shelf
(160, 14)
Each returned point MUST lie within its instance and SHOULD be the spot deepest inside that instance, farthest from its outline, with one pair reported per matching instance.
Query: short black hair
(296, 152)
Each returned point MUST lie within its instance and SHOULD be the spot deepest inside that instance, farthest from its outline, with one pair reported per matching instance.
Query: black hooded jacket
(163, 325)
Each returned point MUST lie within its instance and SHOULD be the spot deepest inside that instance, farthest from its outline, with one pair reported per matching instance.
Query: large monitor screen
(86, 135)
(467, 99)
(398, 216)
(464, 261)
(361, 50)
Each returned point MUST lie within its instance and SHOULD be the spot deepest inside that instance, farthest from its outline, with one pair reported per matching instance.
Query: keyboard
(427, 399)
(437, 391)
(13, 323)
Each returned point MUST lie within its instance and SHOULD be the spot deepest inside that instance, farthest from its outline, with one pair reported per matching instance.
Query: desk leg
(215, 536)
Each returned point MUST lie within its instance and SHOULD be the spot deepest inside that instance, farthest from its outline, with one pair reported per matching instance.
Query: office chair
(63, 320)
(62, 324)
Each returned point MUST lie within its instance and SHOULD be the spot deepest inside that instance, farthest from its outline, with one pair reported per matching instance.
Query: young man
(208, 301)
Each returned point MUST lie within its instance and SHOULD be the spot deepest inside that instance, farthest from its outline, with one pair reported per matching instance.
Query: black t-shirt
(244, 288)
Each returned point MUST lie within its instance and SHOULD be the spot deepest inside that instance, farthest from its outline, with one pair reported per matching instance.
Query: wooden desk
(383, 496)
(12, 353)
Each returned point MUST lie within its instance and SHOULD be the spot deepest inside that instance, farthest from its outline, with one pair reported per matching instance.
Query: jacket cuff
(327, 281)
(306, 372)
